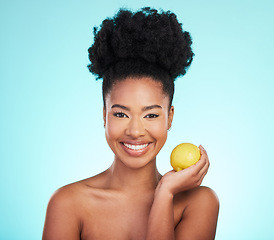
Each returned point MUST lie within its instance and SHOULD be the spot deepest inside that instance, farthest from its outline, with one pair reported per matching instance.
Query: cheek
(113, 128)
(158, 129)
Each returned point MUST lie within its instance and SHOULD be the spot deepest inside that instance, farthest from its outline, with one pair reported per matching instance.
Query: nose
(135, 128)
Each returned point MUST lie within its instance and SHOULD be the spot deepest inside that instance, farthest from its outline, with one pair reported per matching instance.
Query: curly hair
(145, 43)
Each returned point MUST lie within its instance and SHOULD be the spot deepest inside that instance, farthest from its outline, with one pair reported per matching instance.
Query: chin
(136, 162)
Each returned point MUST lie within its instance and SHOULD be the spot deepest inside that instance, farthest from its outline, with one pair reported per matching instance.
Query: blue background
(51, 125)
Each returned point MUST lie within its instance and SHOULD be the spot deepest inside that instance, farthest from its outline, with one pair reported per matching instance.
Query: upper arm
(61, 219)
(199, 219)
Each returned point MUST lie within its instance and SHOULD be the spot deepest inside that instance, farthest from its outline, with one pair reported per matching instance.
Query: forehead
(137, 91)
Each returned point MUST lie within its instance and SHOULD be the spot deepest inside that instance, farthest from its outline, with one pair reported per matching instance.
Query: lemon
(184, 155)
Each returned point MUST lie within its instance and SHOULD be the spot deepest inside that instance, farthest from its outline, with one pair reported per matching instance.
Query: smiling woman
(138, 55)
(138, 129)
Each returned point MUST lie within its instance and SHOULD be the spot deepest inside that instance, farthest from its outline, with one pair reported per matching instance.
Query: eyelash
(120, 115)
(152, 115)
(123, 115)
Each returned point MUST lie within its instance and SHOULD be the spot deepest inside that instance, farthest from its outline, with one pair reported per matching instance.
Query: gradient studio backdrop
(51, 125)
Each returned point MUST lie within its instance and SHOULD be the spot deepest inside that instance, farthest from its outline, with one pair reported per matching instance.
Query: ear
(170, 117)
(104, 116)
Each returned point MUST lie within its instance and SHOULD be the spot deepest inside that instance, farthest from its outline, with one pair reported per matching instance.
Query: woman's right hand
(191, 177)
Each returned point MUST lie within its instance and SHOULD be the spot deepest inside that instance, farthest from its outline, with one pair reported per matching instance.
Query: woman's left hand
(191, 177)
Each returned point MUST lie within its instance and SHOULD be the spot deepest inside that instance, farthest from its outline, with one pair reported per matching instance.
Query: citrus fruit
(184, 155)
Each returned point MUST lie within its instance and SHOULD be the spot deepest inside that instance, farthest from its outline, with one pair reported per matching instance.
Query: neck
(128, 179)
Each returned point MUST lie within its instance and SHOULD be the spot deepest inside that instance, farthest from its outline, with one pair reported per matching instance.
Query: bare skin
(131, 200)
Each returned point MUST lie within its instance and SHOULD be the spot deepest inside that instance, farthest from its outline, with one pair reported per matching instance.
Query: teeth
(135, 147)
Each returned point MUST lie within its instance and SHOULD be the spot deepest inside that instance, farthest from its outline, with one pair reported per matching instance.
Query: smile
(135, 147)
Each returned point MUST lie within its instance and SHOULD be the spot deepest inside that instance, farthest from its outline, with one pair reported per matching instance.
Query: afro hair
(142, 43)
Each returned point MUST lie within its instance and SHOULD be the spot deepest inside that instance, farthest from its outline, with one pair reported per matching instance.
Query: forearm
(161, 219)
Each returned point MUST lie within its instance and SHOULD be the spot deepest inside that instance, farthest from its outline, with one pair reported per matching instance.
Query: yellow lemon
(184, 155)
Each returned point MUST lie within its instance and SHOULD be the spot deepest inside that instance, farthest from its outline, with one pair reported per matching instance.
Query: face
(137, 117)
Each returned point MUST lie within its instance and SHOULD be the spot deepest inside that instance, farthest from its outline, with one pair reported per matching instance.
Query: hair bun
(147, 35)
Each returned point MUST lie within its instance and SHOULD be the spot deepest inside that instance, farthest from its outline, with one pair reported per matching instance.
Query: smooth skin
(131, 200)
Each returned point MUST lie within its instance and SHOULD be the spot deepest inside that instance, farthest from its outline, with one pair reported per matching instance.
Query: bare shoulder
(199, 209)
(65, 210)
(72, 194)
(203, 195)
(65, 196)
(62, 220)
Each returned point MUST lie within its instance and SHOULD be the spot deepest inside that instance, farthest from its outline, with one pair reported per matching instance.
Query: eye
(120, 115)
(151, 115)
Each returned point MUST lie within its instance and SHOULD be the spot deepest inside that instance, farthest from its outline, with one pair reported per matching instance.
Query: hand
(191, 177)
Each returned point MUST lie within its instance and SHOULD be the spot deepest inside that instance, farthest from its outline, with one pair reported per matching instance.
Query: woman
(138, 55)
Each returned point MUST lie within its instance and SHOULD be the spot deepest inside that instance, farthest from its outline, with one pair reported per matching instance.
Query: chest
(119, 219)
(115, 219)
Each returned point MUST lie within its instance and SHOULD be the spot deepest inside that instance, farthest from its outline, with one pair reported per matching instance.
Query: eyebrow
(151, 107)
(119, 106)
(144, 108)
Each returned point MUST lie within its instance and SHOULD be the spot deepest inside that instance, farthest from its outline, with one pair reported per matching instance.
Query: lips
(135, 150)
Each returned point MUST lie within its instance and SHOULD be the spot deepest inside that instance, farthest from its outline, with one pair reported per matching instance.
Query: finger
(204, 169)
(203, 163)
(195, 169)
(203, 172)
(202, 177)
(203, 151)
(199, 182)
(204, 158)
(200, 164)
